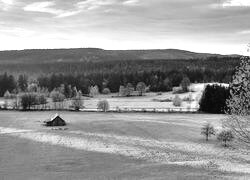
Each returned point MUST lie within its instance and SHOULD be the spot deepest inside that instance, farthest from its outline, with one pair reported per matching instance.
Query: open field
(150, 101)
(116, 146)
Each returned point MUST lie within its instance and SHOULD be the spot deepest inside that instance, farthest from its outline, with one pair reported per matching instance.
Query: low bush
(177, 101)
(188, 98)
(106, 91)
(103, 105)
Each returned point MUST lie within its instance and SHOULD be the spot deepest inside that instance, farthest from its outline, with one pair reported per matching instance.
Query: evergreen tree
(214, 99)
(239, 103)
(22, 82)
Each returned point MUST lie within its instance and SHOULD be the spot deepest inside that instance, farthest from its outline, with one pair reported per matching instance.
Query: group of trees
(234, 101)
(29, 99)
(158, 75)
(214, 99)
(129, 89)
(7, 83)
(224, 136)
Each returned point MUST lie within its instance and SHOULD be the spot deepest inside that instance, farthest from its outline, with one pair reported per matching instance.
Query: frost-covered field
(150, 102)
(150, 99)
(116, 146)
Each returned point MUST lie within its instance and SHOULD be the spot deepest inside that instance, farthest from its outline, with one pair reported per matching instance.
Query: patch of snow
(6, 130)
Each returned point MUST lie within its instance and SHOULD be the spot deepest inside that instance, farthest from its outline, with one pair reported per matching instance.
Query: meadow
(151, 101)
(116, 146)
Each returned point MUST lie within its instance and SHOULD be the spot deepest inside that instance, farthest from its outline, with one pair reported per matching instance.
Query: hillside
(94, 54)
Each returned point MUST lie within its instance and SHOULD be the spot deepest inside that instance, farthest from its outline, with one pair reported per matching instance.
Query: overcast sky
(217, 26)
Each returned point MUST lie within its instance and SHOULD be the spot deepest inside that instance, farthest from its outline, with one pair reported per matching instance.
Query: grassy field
(116, 146)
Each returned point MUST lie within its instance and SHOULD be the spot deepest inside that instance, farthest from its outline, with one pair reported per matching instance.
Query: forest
(158, 75)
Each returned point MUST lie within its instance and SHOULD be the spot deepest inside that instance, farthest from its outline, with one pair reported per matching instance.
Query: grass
(116, 146)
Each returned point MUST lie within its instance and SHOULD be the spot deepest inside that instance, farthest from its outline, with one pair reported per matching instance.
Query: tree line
(158, 75)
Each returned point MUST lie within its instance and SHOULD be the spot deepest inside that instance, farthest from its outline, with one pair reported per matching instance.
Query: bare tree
(185, 83)
(207, 130)
(141, 88)
(225, 136)
(239, 103)
(57, 97)
(77, 101)
(103, 105)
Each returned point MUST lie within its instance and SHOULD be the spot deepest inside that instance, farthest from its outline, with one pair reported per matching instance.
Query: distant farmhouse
(55, 121)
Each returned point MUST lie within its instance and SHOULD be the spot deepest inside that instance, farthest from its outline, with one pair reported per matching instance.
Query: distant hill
(94, 54)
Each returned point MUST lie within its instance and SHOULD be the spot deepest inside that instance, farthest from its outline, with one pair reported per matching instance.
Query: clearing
(116, 146)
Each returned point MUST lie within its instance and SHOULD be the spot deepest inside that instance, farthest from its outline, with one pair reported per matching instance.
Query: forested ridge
(95, 54)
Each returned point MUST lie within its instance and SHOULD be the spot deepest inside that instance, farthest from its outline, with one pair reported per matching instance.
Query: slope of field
(94, 54)
(116, 146)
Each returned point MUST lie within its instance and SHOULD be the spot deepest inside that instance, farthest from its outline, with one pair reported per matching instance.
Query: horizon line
(28, 49)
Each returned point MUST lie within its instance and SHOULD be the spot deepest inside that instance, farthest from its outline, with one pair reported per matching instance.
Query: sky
(213, 26)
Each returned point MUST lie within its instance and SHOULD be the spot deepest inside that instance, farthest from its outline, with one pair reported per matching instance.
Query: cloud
(236, 3)
(245, 32)
(131, 2)
(127, 24)
(16, 31)
(53, 7)
(95, 4)
(68, 13)
(6, 4)
(44, 7)
(50, 7)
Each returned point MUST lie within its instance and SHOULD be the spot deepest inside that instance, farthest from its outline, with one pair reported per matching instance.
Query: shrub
(57, 97)
(103, 105)
(167, 84)
(93, 91)
(185, 83)
(225, 136)
(141, 88)
(188, 98)
(159, 93)
(177, 101)
(129, 89)
(28, 100)
(214, 99)
(77, 101)
(207, 130)
(41, 98)
(178, 90)
(106, 91)
(6, 95)
(126, 91)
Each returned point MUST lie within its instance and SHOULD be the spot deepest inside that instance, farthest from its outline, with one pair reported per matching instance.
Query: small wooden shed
(55, 121)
